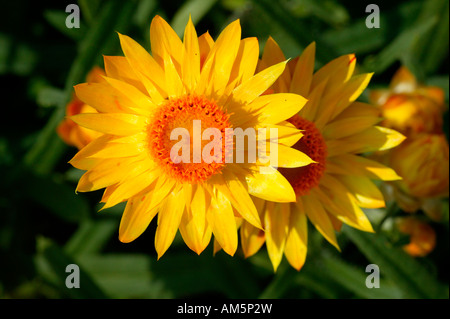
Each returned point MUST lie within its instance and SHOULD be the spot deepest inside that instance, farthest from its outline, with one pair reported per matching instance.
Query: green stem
(392, 210)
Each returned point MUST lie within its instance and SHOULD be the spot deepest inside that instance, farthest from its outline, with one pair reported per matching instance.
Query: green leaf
(51, 262)
(405, 272)
(89, 9)
(356, 38)
(57, 18)
(91, 236)
(59, 198)
(328, 11)
(186, 274)
(196, 8)
(50, 96)
(354, 279)
(400, 45)
(125, 275)
(432, 49)
(295, 28)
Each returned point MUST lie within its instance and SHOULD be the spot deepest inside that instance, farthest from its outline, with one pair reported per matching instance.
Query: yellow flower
(336, 130)
(408, 106)
(423, 163)
(69, 131)
(146, 97)
(422, 236)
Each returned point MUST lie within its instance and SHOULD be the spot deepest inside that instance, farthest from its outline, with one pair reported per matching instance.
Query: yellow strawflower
(336, 129)
(146, 97)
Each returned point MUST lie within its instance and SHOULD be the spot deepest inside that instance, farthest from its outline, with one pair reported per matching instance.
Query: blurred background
(44, 225)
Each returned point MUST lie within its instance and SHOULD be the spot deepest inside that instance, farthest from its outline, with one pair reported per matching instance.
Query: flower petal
(276, 223)
(169, 218)
(297, 239)
(270, 186)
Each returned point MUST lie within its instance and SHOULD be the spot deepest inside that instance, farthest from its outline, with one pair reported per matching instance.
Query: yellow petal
(114, 150)
(109, 172)
(302, 76)
(339, 202)
(252, 239)
(236, 191)
(169, 218)
(373, 139)
(142, 103)
(365, 191)
(271, 186)
(290, 157)
(174, 84)
(217, 67)
(297, 239)
(225, 50)
(205, 43)
(341, 69)
(104, 98)
(341, 98)
(221, 219)
(131, 186)
(359, 109)
(191, 59)
(111, 123)
(164, 41)
(288, 134)
(317, 215)
(119, 68)
(142, 62)
(349, 126)
(276, 223)
(82, 161)
(272, 55)
(310, 110)
(246, 60)
(136, 218)
(360, 166)
(256, 85)
(353, 88)
(193, 227)
(274, 108)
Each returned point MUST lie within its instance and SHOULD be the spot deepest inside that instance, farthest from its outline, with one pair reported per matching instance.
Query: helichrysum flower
(422, 237)
(69, 131)
(336, 130)
(423, 162)
(146, 97)
(408, 106)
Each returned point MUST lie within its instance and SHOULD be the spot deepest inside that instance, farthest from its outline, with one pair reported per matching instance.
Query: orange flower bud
(423, 163)
(70, 132)
(409, 107)
(422, 236)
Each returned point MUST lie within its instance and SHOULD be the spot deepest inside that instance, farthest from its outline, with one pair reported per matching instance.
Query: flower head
(336, 129)
(422, 237)
(69, 131)
(184, 88)
(408, 106)
(423, 162)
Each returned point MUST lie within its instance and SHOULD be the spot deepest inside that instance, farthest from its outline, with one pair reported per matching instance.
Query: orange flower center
(179, 125)
(303, 179)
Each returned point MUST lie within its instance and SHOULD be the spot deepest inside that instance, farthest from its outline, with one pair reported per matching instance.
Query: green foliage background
(44, 225)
